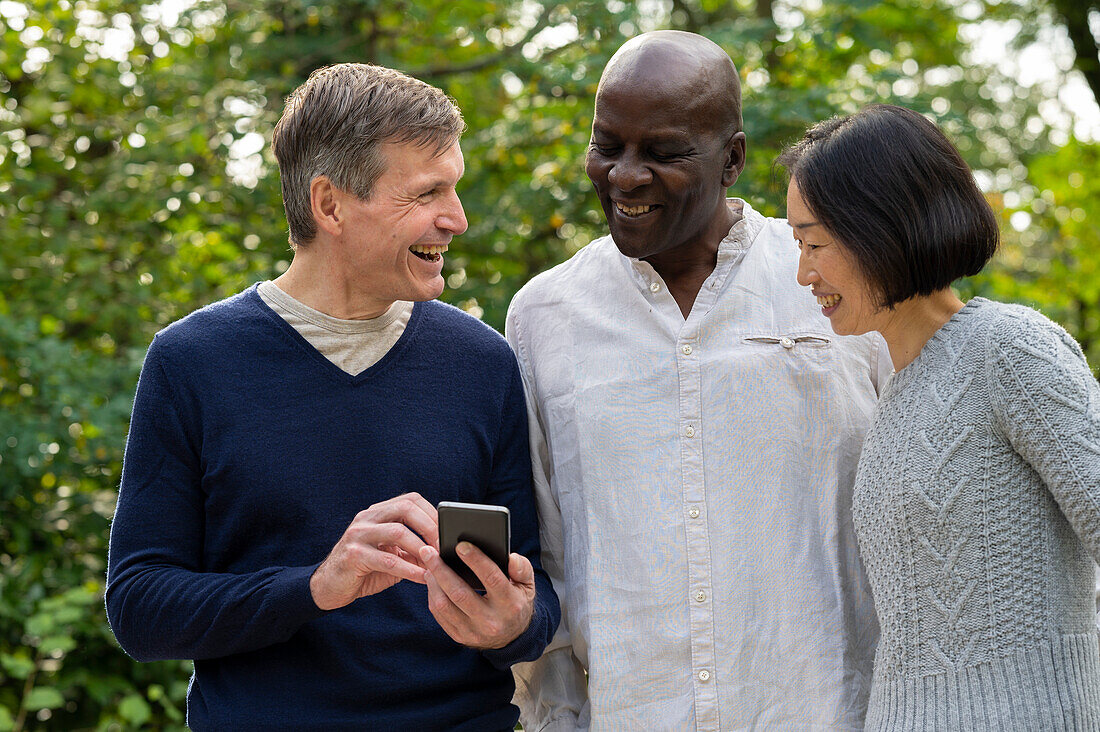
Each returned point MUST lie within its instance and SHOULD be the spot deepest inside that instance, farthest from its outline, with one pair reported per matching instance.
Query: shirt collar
(731, 250)
(744, 231)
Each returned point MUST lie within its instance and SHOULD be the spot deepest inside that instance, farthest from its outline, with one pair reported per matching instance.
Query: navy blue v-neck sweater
(249, 454)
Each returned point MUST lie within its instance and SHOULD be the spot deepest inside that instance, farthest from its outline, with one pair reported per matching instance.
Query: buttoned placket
(689, 353)
(691, 436)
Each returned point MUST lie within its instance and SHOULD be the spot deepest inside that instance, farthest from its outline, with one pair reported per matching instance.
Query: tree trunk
(1075, 15)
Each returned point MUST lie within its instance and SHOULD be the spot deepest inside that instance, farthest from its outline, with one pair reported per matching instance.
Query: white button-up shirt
(694, 482)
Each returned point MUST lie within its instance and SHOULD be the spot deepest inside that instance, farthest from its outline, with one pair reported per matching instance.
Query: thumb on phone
(520, 570)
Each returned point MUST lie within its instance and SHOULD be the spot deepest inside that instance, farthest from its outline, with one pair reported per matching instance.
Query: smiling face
(832, 274)
(391, 245)
(662, 152)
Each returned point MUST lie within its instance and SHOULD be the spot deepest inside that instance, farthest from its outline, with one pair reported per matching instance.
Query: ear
(324, 204)
(735, 159)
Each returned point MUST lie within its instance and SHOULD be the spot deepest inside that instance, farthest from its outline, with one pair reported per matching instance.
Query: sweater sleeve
(511, 487)
(1047, 403)
(160, 602)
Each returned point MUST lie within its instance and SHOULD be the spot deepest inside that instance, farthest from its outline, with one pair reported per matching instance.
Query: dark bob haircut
(891, 188)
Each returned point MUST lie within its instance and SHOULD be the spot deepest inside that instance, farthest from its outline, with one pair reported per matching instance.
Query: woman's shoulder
(1014, 328)
(1028, 354)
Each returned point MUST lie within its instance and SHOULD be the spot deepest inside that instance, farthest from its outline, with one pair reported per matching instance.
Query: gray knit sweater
(977, 502)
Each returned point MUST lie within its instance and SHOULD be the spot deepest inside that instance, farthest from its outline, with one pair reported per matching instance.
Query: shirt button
(686, 350)
(786, 342)
(654, 286)
(689, 431)
(704, 675)
(700, 596)
(693, 512)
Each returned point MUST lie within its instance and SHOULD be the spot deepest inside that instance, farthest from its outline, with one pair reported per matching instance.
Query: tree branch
(764, 11)
(486, 61)
(1075, 15)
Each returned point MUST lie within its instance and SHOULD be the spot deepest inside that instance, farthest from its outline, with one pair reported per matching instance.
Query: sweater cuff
(528, 645)
(298, 599)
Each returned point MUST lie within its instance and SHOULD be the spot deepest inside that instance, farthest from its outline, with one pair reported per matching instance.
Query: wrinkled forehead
(659, 106)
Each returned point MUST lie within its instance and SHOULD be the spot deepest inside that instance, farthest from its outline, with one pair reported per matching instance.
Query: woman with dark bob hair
(977, 498)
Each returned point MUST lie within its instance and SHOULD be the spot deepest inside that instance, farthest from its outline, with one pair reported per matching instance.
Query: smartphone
(489, 528)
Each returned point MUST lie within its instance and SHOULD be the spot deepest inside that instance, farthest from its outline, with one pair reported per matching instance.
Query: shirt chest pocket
(797, 353)
(787, 365)
(790, 341)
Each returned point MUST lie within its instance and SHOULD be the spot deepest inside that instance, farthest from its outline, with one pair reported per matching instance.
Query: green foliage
(1051, 263)
(135, 186)
(63, 410)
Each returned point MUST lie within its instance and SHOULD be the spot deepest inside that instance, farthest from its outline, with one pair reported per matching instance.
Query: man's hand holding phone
(399, 539)
(497, 617)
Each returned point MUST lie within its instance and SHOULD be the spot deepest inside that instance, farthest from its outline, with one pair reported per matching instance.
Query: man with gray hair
(276, 521)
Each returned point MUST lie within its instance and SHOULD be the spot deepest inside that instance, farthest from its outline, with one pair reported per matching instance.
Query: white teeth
(428, 250)
(827, 301)
(633, 210)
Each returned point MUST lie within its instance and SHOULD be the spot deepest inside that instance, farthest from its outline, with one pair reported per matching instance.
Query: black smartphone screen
(486, 527)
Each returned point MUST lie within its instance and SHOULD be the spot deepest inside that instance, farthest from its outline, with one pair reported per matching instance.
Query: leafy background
(136, 184)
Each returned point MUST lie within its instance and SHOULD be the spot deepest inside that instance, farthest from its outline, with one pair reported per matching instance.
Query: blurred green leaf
(134, 709)
(18, 665)
(44, 697)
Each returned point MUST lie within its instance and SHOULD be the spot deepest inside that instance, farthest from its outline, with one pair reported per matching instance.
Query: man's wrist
(510, 641)
(322, 599)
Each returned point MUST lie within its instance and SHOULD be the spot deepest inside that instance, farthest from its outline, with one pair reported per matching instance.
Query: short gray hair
(335, 123)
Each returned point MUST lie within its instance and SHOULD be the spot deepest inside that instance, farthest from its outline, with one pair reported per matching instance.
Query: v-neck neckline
(328, 366)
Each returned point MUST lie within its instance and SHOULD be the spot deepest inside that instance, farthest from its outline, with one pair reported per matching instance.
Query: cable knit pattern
(977, 503)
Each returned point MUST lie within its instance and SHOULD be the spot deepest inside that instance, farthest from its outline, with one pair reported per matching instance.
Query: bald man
(695, 427)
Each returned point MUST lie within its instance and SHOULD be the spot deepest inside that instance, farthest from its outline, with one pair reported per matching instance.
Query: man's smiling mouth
(428, 254)
(633, 210)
